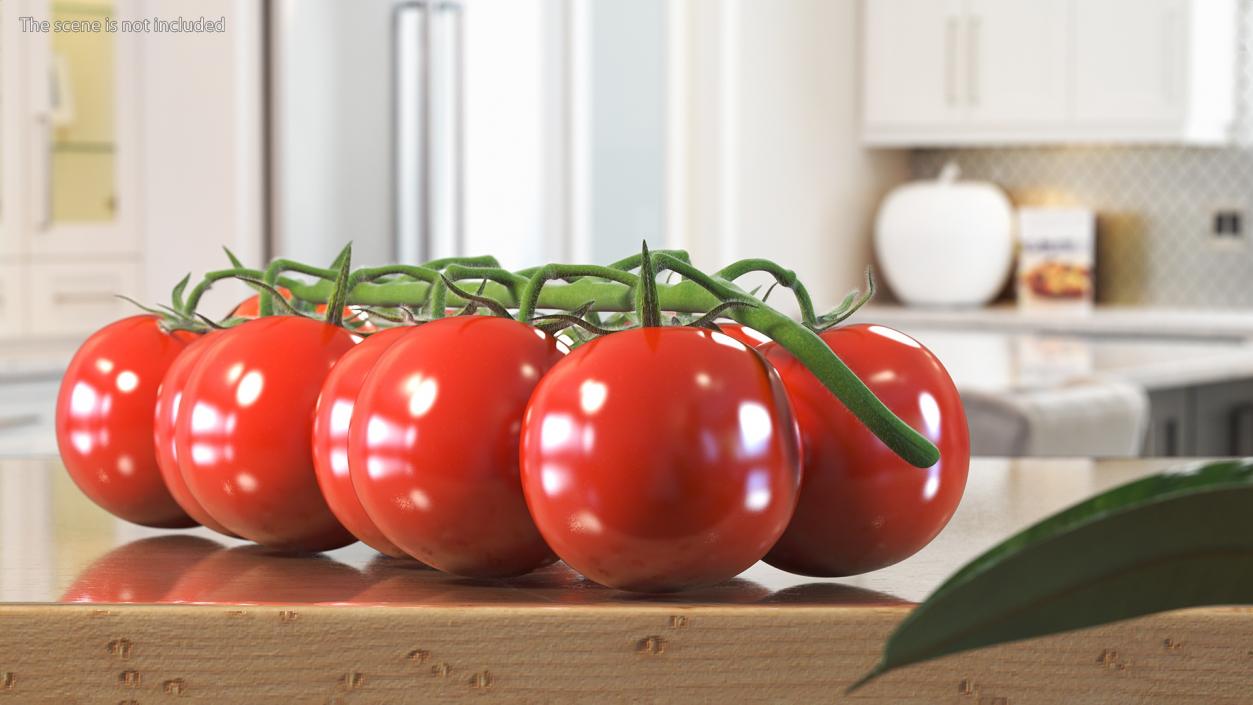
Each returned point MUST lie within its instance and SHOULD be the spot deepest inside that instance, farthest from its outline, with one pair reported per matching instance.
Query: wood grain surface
(219, 621)
(590, 654)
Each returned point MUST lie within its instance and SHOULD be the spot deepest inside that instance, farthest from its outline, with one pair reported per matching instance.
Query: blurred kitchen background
(1055, 193)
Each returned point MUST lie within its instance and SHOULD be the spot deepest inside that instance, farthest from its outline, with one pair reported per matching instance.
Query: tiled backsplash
(1154, 204)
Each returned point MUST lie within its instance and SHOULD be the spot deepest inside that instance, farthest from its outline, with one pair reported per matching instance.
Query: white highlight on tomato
(930, 410)
(341, 415)
(932, 484)
(894, 335)
(339, 462)
(758, 496)
(249, 389)
(555, 478)
(556, 431)
(82, 441)
(127, 381)
(246, 482)
(125, 466)
(422, 393)
(724, 339)
(755, 428)
(105, 365)
(203, 454)
(755, 335)
(592, 395)
(419, 499)
(586, 523)
(205, 418)
(83, 399)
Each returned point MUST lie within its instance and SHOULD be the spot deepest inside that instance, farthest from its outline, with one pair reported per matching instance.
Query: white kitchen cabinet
(12, 278)
(64, 299)
(1049, 71)
(959, 64)
(68, 167)
(1014, 61)
(915, 61)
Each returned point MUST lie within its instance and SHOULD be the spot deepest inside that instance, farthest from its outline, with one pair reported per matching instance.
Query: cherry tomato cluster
(651, 458)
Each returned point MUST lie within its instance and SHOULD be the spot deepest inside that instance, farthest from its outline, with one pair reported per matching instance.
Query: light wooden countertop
(96, 610)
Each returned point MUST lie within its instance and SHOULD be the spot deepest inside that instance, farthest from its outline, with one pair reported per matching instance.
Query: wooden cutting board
(96, 610)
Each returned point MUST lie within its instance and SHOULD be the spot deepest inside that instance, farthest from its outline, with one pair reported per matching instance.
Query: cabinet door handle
(950, 61)
(972, 59)
(45, 145)
(70, 298)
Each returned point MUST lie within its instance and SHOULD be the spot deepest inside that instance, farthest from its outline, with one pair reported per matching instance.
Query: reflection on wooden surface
(55, 546)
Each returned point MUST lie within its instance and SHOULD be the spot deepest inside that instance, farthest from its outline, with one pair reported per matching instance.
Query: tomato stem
(531, 299)
(646, 304)
(611, 289)
(193, 299)
(783, 276)
(266, 302)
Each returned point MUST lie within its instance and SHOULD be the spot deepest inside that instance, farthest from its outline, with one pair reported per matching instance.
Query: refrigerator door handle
(411, 131)
(457, 12)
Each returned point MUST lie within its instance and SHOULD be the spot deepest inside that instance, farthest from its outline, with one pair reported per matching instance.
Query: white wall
(776, 168)
(201, 150)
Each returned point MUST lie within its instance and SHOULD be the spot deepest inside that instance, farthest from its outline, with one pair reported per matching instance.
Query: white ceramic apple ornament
(945, 242)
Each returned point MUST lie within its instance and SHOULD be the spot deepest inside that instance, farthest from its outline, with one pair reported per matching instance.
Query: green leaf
(176, 296)
(339, 292)
(648, 306)
(231, 256)
(1168, 541)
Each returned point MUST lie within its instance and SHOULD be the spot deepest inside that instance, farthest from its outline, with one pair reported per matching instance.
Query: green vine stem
(614, 290)
(193, 299)
(590, 276)
(812, 352)
(277, 267)
(607, 289)
(511, 281)
(782, 275)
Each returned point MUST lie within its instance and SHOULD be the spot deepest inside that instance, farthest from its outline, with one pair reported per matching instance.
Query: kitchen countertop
(991, 361)
(1131, 321)
(145, 613)
(1048, 385)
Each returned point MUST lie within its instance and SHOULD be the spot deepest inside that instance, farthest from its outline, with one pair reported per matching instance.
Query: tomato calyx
(339, 293)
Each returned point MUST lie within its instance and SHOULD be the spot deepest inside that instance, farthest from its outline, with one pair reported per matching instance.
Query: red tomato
(104, 420)
(659, 459)
(330, 437)
(744, 334)
(245, 426)
(169, 398)
(861, 507)
(433, 444)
